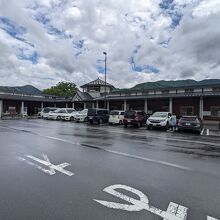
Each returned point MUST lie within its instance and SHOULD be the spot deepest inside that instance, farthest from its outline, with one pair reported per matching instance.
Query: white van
(116, 117)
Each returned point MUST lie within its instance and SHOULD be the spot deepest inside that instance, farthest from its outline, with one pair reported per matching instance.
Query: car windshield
(114, 113)
(160, 114)
(84, 111)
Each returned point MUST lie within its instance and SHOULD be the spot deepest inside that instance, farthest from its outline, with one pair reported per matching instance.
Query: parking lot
(66, 170)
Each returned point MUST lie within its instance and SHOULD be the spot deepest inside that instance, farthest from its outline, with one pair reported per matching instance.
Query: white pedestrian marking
(211, 218)
(52, 168)
(139, 204)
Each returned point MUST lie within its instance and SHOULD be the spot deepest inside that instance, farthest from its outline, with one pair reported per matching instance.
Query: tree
(62, 89)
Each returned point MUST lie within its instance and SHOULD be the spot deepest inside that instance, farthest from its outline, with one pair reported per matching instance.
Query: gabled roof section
(82, 96)
(97, 82)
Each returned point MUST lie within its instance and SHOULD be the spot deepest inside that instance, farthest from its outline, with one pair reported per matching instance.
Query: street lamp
(105, 75)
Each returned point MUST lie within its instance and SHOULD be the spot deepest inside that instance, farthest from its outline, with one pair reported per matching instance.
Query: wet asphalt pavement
(167, 167)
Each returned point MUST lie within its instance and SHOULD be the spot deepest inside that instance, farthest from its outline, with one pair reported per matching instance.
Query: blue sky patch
(168, 8)
(24, 55)
(12, 28)
(142, 68)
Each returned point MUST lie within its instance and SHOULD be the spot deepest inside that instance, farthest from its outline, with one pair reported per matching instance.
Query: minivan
(134, 117)
(98, 115)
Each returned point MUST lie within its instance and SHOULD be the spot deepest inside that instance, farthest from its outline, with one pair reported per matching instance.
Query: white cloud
(117, 27)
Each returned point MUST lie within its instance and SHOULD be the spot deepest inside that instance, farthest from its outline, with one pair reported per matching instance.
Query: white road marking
(208, 132)
(150, 160)
(211, 218)
(177, 210)
(50, 172)
(138, 204)
(52, 168)
(202, 131)
(125, 154)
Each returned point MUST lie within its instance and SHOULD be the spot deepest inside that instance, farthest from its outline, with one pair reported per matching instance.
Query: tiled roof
(97, 82)
(82, 96)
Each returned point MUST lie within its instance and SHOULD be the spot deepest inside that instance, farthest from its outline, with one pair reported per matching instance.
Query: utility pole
(105, 74)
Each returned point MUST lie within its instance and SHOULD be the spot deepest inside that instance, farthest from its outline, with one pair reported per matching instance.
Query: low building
(201, 100)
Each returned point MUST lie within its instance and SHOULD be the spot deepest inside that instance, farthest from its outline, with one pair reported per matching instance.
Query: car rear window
(91, 112)
(114, 113)
(188, 119)
(70, 110)
(129, 114)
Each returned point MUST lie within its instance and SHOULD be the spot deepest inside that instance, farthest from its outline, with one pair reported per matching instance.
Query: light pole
(105, 75)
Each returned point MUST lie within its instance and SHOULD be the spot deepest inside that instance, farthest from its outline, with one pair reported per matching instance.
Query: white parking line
(202, 131)
(208, 132)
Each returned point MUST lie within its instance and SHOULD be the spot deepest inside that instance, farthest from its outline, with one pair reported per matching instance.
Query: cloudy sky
(43, 42)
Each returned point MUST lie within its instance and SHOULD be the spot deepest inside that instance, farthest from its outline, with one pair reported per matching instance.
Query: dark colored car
(97, 115)
(193, 123)
(136, 118)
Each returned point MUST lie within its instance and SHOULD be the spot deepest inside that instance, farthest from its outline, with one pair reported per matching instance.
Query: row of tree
(62, 89)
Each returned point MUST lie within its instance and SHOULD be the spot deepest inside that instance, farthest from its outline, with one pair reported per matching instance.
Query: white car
(159, 119)
(116, 117)
(82, 116)
(44, 113)
(59, 113)
(70, 116)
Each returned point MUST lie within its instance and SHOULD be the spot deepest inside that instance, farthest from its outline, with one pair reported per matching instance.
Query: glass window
(215, 111)
(186, 110)
(114, 113)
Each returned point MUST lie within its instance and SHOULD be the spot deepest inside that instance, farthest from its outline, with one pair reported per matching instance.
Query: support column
(73, 105)
(84, 105)
(201, 108)
(66, 105)
(107, 104)
(171, 105)
(1, 108)
(97, 104)
(22, 108)
(42, 105)
(145, 106)
(125, 105)
(55, 105)
(93, 105)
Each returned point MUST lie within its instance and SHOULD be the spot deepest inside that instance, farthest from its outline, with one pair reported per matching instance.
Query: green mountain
(27, 89)
(174, 84)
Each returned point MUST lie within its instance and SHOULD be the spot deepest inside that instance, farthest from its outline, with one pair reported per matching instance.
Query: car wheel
(71, 118)
(58, 118)
(86, 119)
